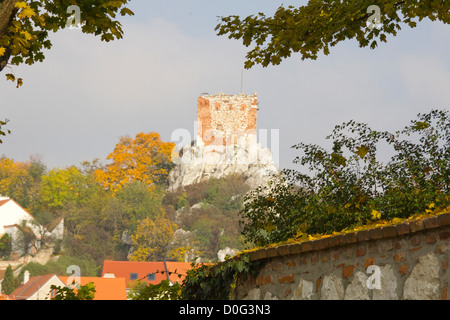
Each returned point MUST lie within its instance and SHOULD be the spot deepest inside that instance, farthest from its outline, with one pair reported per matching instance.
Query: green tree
(161, 291)
(138, 202)
(21, 181)
(86, 292)
(89, 267)
(5, 246)
(59, 187)
(9, 283)
(319, 25)
(92, 242)
(349, 186)
(213, 223)
(64, 188)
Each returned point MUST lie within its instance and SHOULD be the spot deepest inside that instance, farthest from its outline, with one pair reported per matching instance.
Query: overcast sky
(86, 94)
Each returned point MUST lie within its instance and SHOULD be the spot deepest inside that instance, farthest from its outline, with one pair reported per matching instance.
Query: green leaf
(421, 125)
(338, 159)
(361, 151)
(126, 11)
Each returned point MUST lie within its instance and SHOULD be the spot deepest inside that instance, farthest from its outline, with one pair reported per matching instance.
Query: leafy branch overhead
(320, 25)
(3, 132)
(349, 186)
(25, 25)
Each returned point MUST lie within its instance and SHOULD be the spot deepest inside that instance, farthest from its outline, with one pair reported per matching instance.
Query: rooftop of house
(5, 297)
(150, 272)
(105, 288)
(30, 287)
(4, 200)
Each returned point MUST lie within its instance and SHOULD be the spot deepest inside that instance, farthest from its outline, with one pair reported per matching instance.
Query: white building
(37, 288)
(15, 221)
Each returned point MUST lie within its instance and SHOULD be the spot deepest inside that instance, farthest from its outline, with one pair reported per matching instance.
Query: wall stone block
(423, 282)
(388, 290)
(411, 261)
(357, 289)
(332, 288)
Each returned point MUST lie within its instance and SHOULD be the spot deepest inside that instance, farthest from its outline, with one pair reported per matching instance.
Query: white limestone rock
(200, 163)
(223, 253)
(357, 289)
(332, 288)
(423, 282)
(269, 296)
(388, 290)
(304, 291)
(253, 294)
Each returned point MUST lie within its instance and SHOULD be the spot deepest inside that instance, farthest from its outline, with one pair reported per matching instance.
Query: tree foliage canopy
(320, 25)
(152, 239)
(85, 292)
(350, 186)
(25, 25)
(145, 159)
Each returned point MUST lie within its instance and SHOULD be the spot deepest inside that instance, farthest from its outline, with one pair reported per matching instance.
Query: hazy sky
(86, 94)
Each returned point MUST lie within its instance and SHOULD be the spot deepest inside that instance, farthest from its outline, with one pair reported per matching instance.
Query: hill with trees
(122, 209)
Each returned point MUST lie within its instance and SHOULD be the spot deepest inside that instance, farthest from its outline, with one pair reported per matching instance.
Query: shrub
(349, 186)
(5, 246)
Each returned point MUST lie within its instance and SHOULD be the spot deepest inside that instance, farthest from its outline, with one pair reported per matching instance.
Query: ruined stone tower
(226, 119)
(226, 143)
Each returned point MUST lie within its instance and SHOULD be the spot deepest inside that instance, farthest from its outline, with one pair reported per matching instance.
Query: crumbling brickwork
(226, 119)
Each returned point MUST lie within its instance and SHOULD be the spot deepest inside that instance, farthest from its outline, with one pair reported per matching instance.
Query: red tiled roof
(178, 268)
(24, 291)
(2, 202)
(105, 288)
(141, 270)
(5, 297)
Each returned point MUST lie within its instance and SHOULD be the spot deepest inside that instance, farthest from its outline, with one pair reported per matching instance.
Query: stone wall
(399, 262)
(224, 119)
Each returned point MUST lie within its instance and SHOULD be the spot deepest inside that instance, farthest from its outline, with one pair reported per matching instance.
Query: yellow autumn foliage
(152, 238)
(144, 159)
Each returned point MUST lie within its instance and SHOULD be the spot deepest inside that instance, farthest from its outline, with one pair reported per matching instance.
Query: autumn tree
(319, 25)
(152, 239)
(144, 159)
(25, 26)
(21, 181)
(61, 187)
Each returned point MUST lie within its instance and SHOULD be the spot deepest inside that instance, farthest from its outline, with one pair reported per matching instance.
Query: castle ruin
(226, 143)
(227, 119)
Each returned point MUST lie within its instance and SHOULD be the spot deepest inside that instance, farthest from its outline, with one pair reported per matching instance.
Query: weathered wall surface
(399, 262)
(223, 118)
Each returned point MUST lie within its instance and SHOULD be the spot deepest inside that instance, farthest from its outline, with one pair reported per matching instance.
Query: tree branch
(7, 14)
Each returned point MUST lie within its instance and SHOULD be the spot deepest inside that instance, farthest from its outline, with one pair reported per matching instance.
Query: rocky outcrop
(200, 163)
(227, 252)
